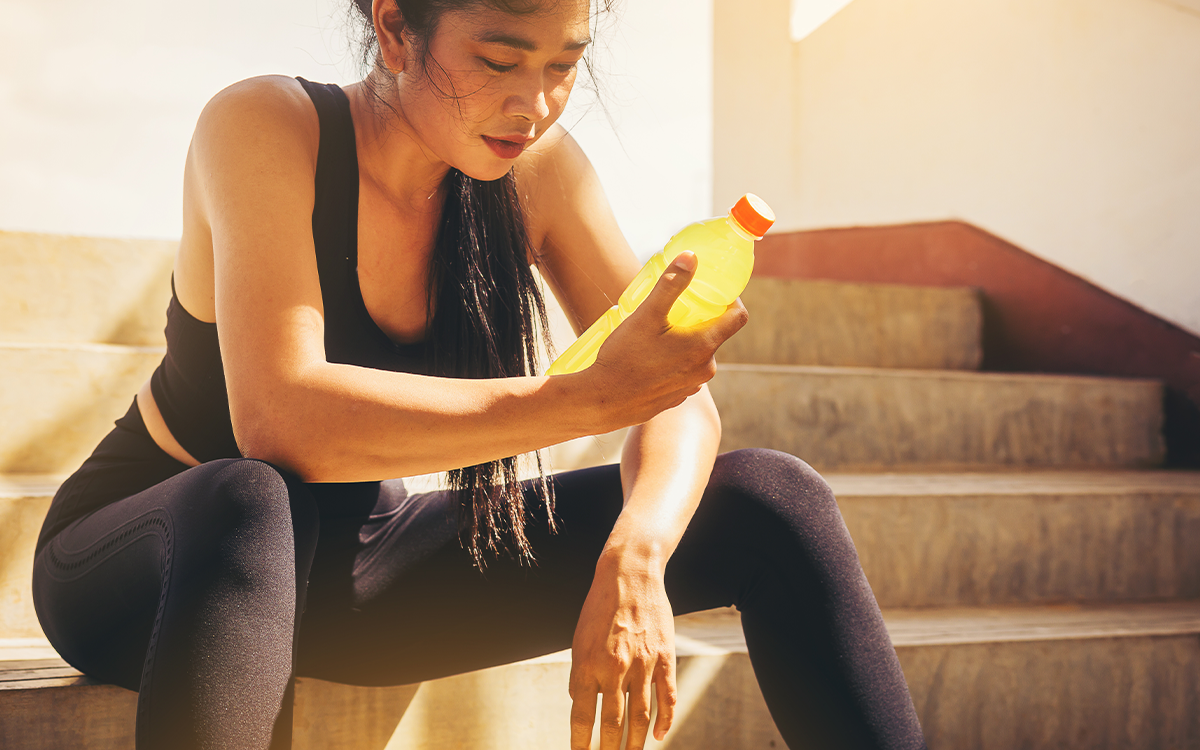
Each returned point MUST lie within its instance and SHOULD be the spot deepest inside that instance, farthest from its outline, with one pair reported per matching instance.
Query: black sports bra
(189, 384)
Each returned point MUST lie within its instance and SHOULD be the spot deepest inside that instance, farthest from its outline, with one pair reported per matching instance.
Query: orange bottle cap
(753, 213)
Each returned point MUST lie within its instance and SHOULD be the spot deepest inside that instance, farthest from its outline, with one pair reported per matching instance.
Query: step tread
(29, 485)
(927, 626)
(1043, 622)
(82, 346)
(719, 631)
(18, 676)
(1016, 482)
(27, 650)
(958, 375)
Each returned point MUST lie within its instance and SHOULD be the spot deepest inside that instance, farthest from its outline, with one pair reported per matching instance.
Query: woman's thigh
(99, 583)
(408, 605)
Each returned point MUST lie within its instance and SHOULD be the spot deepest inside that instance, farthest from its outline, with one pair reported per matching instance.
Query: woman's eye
(498, 67)
(563, 68)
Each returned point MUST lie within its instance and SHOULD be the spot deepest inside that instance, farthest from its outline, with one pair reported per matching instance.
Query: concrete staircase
(1040, 578)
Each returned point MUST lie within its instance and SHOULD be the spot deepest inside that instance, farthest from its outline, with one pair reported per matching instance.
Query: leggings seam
(112, 544)
(145, 694)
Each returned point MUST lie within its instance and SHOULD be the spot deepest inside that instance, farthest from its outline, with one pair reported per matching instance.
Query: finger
(670, 285)
(583, 716)
(668, 696)
(729, 322)
(637, 713)
(612, 709)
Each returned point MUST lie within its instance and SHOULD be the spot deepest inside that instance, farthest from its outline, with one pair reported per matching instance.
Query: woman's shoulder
(266, 94)
(557, 182)
(256, 110)
(551, 172)
(249, 168)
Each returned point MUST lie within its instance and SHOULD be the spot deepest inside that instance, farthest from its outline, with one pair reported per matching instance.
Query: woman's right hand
(647, 365)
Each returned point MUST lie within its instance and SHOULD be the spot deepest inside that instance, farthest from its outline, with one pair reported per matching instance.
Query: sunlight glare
(808, 15)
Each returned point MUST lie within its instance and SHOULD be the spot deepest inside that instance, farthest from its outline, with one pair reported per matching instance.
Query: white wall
(98, 101)
(652, 142)
(1070, 127)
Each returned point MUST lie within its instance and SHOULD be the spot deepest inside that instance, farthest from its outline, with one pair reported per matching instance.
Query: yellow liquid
(725, 257)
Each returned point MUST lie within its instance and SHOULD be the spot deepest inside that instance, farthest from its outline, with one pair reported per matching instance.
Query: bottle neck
(739, 229)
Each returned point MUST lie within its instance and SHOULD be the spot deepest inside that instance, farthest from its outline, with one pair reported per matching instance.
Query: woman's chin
(488, 172)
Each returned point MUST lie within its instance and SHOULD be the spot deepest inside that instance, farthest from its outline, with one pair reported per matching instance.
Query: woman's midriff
(157, 427)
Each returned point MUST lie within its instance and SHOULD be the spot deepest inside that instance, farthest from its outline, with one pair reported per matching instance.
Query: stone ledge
(1037, 537)
(61, 399)
(991, 678)
(858, 325)
(59, 287)
(861, 419)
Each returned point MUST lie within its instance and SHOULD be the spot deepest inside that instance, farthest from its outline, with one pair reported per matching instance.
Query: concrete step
(1076, 676)
(24, 501)
(58, 400)
(873, 419)
(1065, 676)
(64, 397)
(86, 289)
(523, 705)
(59, 288)
(1030, 537)
(796, 322)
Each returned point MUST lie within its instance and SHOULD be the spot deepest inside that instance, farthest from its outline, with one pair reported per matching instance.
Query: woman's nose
(528, 101)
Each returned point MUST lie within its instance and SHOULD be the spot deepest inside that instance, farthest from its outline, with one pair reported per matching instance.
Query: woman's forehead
(550, 26)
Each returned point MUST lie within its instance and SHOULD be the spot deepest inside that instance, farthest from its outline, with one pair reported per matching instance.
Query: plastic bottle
(724, 248)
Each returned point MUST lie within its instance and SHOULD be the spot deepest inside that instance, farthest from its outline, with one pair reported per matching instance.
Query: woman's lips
(505, 149)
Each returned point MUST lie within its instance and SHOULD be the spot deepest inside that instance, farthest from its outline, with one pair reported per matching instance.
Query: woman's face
(494, 83)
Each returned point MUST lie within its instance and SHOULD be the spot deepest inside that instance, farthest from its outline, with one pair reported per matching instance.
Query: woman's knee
(781, 517)
(246, 506)
(250, 490)
(776, 481)
(770, 501)
(766, 517)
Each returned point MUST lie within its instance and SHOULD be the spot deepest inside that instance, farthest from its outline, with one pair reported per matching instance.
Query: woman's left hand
(624, 643)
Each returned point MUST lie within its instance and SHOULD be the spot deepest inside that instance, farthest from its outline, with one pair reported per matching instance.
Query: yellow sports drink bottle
(724, 248)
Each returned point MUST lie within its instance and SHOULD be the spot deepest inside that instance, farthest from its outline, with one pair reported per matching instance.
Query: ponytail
(487, 311)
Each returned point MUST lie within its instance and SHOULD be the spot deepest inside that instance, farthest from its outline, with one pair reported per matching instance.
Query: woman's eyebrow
(523, 44)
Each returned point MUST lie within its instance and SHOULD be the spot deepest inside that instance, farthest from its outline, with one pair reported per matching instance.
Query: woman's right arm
(250, 187)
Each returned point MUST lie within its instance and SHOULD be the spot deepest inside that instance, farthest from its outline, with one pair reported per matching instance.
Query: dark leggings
(208, 589)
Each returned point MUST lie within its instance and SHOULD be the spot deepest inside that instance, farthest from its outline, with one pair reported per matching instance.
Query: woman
(353, 301)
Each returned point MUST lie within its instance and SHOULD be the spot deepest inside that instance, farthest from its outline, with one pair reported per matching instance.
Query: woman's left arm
(625, 639)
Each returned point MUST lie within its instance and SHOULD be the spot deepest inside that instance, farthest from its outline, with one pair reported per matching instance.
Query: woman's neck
(391, 156)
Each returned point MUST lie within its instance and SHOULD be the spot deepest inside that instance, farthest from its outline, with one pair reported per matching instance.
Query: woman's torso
(372, 262)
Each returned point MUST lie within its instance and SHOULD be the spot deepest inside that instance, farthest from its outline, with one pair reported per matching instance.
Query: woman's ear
(389, 29)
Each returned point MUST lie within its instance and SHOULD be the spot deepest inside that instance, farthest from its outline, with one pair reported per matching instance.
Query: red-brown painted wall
(1037, 316)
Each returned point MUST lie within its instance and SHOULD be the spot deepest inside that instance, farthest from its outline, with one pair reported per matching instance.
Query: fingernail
(686, 262)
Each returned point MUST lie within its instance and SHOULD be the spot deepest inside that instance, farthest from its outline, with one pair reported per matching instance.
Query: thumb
(670, 285)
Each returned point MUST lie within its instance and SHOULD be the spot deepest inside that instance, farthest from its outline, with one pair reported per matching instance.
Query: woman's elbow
(272, 438)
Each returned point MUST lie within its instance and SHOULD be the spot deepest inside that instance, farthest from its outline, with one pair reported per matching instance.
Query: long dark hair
(486, 306)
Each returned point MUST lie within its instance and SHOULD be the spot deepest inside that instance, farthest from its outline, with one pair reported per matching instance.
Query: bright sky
(807, 15)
